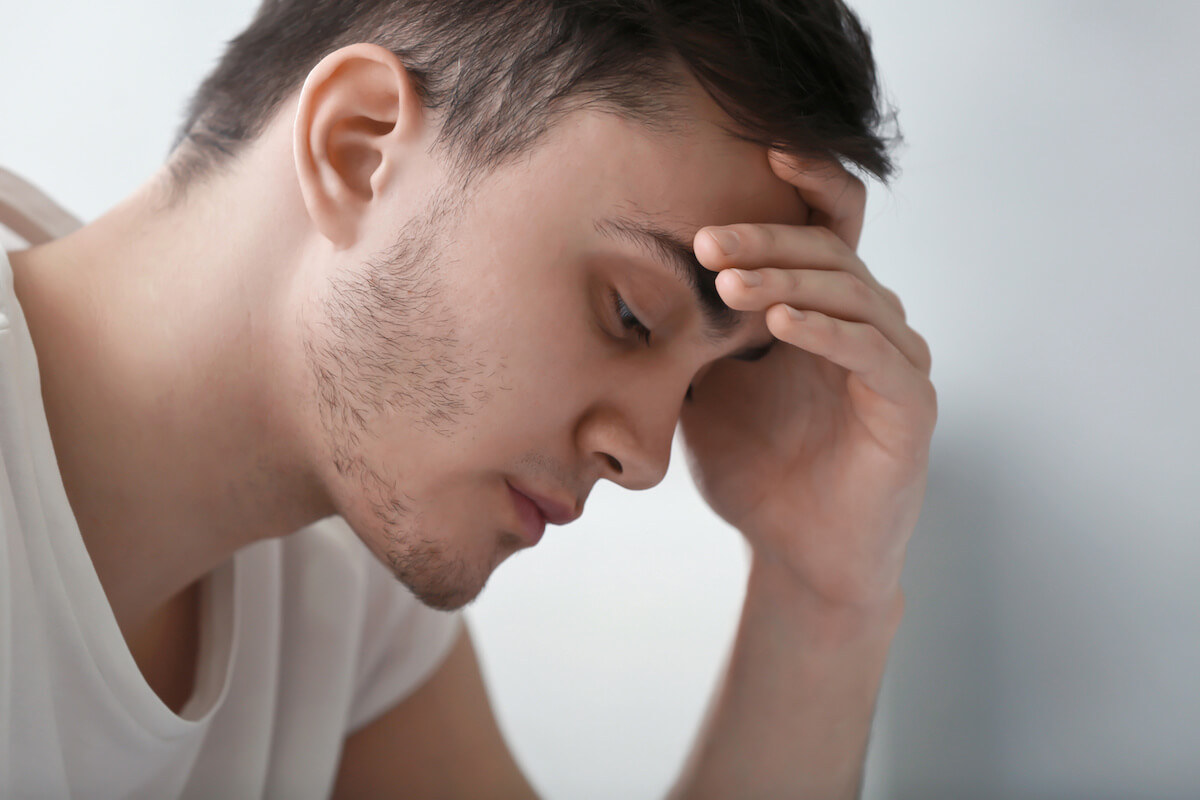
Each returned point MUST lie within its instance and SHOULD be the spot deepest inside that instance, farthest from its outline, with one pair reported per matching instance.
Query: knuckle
(821, 324)
(858, 289)
(831, 242)
(762, 237)
(924, 354)
(826, 236)
(832, 332)
(927, 416)
(793, 278)
(926, 357)
(878, 343)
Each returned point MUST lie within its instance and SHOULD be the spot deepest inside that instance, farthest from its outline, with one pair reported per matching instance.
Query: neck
(156, 329)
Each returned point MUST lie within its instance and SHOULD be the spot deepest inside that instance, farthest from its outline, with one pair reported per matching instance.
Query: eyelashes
(630, 322)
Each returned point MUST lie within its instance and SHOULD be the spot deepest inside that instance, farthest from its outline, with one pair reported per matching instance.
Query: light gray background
(1043, 238)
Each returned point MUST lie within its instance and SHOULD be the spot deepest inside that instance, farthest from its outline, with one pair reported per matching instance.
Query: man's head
(796, 75)
(489, 194)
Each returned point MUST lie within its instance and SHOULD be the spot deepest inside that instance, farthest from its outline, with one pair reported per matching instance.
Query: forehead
(689, 172)
(662, 187)
(696, 173)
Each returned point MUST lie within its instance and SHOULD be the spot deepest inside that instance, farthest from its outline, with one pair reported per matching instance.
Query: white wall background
(1043, 237)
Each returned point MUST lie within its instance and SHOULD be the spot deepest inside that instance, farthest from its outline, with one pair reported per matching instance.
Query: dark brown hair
(797, 75)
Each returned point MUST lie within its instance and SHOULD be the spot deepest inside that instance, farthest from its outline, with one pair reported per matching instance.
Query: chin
(440, 578)
(445, 592)
(444, 553)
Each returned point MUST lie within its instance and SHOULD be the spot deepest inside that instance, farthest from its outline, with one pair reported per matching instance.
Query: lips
(535, 510)
(554, 512)
(533, 522)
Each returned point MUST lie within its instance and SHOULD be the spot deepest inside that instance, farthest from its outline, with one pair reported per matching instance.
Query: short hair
(796, 75)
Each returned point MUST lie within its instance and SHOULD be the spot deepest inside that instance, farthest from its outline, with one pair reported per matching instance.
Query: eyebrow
(719, 321)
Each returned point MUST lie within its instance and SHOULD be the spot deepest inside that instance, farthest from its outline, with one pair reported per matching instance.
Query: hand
(818, 454)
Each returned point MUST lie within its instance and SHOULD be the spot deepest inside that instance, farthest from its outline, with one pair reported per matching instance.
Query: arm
(442, 742)
(818, 455)
(791, 718)
(793, 714)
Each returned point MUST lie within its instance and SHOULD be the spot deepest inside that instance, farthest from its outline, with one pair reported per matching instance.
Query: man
(417, 275)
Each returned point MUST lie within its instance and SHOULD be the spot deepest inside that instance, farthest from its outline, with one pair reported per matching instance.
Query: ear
(359, 117)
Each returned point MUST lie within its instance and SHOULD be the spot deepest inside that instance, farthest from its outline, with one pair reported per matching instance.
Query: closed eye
(628, 320)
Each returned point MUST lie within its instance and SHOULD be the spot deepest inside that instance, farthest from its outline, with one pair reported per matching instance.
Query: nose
(630, 431)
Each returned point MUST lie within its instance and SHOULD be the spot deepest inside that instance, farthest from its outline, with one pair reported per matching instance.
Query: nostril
(616, 465)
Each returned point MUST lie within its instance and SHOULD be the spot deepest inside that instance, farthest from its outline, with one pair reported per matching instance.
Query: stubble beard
(392, 350)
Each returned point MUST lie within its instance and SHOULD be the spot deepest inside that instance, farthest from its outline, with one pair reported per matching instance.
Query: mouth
(533, 522)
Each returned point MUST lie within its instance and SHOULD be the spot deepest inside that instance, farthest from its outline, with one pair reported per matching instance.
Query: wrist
(826, 621)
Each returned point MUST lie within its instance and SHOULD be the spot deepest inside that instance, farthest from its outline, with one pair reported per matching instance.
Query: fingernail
(726, 240)
(794, 313)
(749, 277)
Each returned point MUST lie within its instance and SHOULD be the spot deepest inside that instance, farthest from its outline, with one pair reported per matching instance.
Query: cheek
(523, 346)
(536, 334)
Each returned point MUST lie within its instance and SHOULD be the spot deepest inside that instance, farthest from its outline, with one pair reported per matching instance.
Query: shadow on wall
(1050, 645)
(941, 696)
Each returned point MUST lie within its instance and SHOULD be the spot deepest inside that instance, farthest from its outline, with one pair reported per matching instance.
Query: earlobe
(358, 117)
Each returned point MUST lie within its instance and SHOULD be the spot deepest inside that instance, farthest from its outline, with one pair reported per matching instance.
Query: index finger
(838, 199)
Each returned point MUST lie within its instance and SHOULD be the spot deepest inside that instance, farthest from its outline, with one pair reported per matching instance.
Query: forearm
(793, 713)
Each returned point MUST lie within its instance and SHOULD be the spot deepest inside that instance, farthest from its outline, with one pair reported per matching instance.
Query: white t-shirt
(303, 640)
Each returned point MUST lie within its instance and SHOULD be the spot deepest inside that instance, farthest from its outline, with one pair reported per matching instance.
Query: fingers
(755, 245)
(817, 294)
(833, 293)
(865, 352)
(838, 199)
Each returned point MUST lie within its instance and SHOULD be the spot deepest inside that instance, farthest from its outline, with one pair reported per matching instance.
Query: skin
(339, 347)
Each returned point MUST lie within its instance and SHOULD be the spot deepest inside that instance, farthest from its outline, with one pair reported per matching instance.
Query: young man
(417, 275)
